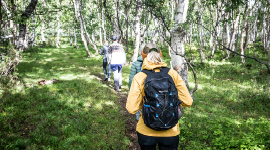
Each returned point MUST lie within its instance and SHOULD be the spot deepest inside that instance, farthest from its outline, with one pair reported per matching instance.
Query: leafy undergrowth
(78, 112)
(231, 109)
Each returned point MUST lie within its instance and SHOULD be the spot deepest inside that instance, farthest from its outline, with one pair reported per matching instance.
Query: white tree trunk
(100, 32)
(81, 25)
(75, 37)
(177, 62)
(227, 35)
(42, 32)
(216, 34)
(58, 26)
(33, 32)
(9, 17)
(201, 32)
(155, 32)
(70, 38)
(235, 26)
(84, 27)
(173, 8)
(103, 25)
(243, 32)
(23, 27)
(43, 26)
(137, 21)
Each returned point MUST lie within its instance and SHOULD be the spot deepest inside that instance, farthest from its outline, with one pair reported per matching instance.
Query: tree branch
(256, 59)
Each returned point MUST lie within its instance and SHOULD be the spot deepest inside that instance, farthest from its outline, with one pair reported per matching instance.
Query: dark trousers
(105, 64)
(164, 143)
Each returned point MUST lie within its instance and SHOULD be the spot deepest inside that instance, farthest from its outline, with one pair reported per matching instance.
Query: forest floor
(81, 111)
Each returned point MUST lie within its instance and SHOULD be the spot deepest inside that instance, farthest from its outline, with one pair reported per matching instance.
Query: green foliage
(72, 114)
(230, 110)
(231, 106)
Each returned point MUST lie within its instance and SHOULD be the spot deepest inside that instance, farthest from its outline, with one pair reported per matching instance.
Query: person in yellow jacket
(147, 137)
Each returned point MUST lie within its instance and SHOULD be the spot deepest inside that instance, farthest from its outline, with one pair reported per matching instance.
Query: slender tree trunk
(268, 34)
(33, 31)
(9, 16)
(201, 31)
(81, 25)
(70, 38)
(173, 8)
(137, 21)
(237, 36)
(263, 28)
(115, 23)
(75, 37)
(227, 35)
(156, 31)
(242, 33)
(103, 26)
(215, 40)
(235, 25)
(42, 31)
(126, 13)
(100, 32)
(84, 27)
(178, 63)
(14, 28)
(58, 26)
(25, 15)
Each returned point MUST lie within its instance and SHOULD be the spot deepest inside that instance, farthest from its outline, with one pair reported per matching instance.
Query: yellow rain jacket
(135, 98)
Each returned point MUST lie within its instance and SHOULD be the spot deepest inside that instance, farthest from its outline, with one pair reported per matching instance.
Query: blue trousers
(117, 73)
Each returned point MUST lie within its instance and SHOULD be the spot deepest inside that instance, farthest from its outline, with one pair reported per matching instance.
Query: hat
(114, 38)
(149, 48)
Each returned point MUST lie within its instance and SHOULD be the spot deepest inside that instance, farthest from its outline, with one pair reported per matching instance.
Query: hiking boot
(105, 79)
(117, 90)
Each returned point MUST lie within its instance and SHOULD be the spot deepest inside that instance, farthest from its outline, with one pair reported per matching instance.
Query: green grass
(79, 113)
(231, 109)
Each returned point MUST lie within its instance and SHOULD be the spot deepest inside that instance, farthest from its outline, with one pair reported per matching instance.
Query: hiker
(151, 134)
(136, 67)
(104, 52)
(117, 58)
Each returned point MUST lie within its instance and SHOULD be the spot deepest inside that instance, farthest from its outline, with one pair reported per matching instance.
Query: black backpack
(161, 109)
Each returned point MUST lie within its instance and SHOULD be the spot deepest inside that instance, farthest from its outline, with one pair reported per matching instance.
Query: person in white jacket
(117, 58)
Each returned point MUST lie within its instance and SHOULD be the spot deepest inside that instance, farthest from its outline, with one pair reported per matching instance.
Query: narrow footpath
(131, 121)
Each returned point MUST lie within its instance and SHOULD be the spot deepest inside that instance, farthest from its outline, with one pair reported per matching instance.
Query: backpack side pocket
(146, 115)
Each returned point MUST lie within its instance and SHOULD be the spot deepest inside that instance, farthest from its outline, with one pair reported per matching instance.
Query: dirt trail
(131, 121)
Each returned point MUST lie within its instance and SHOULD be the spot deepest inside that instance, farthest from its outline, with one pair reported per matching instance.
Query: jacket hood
(151, 66)
(140, 58)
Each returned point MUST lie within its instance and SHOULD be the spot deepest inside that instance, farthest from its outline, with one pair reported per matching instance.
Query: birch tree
(22, 26)
(178, 63)
(137, 22)
(58, 25)
(75, 2)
